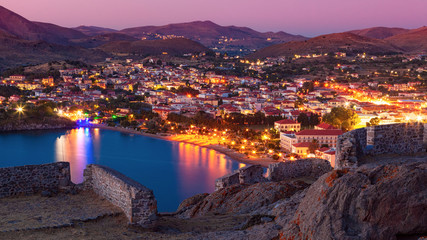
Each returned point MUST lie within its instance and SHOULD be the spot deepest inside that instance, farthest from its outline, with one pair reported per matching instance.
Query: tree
(342, 117)
(314, 145)
(373, 122)
(303, 119)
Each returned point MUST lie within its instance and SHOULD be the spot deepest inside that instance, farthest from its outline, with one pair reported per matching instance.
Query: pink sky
(306, 17)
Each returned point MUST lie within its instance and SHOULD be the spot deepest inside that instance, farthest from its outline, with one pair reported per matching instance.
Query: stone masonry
(136, 201)
(310, 167)
(227, 180)
(401, 139)
(247, 175)
(33, 179)
(251, 174)
(276, 172)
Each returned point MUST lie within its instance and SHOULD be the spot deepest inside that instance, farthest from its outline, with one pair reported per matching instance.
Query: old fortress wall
(136, 201)
(311, 167)
(33, 179)
(399, 139)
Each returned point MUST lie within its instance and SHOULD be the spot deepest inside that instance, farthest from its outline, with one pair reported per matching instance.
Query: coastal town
(277, 109)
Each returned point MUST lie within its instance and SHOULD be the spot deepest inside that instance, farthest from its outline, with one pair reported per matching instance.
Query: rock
(191, 201)
(365, 203)
(242, 199)
(266, 219)
(46, 193)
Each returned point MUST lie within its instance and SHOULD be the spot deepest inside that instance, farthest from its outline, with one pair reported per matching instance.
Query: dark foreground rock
(241, 199)
(385, 202)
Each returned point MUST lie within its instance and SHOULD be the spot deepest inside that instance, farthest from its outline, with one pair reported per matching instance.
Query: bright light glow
(20, 109)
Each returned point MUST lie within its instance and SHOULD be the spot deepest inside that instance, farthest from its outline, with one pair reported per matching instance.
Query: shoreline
(238, 157)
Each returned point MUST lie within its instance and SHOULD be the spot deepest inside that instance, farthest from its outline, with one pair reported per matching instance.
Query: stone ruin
(401, 139)
(136, 201)
(276, 172)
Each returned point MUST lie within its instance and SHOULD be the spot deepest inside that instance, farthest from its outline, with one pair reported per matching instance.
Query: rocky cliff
(387, 200)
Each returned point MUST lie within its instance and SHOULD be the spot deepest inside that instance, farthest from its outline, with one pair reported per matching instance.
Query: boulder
(384, 202)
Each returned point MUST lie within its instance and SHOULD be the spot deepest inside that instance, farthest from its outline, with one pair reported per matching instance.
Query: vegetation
(373, 122)
(343, 118)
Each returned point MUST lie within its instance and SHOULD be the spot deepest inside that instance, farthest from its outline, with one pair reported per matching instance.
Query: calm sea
(173, 170)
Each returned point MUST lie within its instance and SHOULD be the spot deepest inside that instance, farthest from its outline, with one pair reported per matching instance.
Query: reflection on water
(210, 164)
(173, 170)
(76, 147)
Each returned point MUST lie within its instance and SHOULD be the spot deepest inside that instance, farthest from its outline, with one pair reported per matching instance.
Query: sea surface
(173, 170)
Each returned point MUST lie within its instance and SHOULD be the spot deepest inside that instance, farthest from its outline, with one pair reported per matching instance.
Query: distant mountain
(379, 32)
(93, 31)
(16, 52)
(98, 40)
(173, 47)
(413, 41)
(16, 25)
(230, 38)
(347, 42)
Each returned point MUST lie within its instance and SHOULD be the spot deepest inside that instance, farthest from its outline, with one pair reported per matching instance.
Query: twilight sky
(305, 17)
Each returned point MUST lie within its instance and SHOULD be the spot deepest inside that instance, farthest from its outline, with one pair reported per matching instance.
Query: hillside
(93, 30)
(17, 25)
(173, 47)
(15, 52)
(98, 40)
(413, 41)
(215, 36)
(347, 42)
(379, 32)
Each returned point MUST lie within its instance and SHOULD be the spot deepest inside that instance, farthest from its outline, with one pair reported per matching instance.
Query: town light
(419, 118)
(20, 109)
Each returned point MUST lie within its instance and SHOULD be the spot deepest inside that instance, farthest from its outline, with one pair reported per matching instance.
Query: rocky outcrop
(241, 199)
(365, 203)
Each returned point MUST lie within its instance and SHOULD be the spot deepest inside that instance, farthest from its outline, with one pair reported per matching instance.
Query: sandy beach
(239, 157)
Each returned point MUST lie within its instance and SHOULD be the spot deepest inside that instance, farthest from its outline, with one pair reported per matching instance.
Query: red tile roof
(302, 144)
(286, 121)
(330, 132)
(325, 126)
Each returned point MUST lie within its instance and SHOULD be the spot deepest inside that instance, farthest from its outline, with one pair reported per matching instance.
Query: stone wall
(350, 146)
(247, 175)
(404, 138)
(310, 167)
(136, 201)
(33, 179)
(251, 174)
